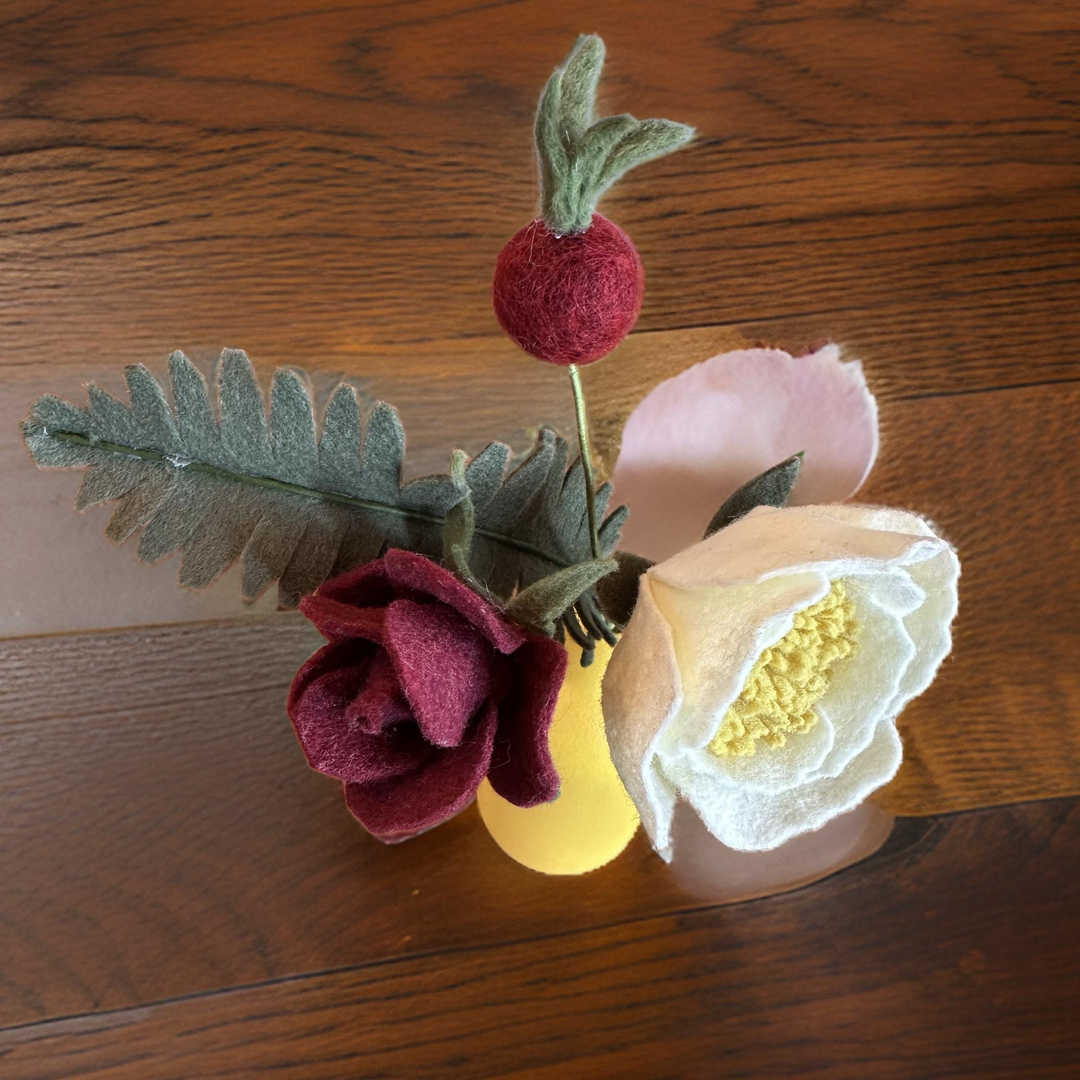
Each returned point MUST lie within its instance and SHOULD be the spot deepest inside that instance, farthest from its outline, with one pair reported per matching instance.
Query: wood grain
(328, 186)
(179, 841)
(312, 182)
(62, 574)
(169, 839)
(942, 957)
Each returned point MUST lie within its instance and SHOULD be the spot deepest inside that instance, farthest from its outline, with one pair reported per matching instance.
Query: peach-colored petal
(702, 434)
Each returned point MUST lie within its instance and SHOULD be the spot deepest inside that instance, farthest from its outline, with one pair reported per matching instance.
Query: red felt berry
(569, 299)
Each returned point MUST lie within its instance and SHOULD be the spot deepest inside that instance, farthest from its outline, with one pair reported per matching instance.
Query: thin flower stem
(586, 458)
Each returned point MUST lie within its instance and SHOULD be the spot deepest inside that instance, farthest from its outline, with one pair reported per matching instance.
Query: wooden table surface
(328, 185)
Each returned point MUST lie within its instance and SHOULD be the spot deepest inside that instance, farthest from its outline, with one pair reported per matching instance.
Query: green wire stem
(586, 458)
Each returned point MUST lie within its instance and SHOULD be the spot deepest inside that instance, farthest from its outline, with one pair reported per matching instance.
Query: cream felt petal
(795, 540)
(715, 608)
(748, 820)
(718, 634)
(864, 685)
(930, 625)
(700, 435)
(776, 769)
(641, 694)
(879, 518)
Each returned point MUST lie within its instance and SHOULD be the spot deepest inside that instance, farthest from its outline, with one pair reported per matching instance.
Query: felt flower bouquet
(495, 633)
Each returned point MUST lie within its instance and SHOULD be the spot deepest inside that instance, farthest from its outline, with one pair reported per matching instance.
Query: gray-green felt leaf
(217, 478)
(581, 157)
(545, 601)
(771, 488)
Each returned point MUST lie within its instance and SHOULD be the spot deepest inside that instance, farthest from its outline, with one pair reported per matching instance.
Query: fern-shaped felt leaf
(215, 477)
(540, 509)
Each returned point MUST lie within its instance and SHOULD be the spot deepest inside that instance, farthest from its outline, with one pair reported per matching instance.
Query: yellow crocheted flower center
(789, 678)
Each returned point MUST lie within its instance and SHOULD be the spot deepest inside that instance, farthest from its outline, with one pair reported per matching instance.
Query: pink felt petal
(379, 702)
(699, 436)
(397, 808)
(522, 771)
(337, 621)
(420, 575)
(442, 664)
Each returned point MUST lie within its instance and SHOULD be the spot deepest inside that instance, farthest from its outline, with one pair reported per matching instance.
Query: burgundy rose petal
(365, 758)
(415, 572)
(316, 707)
(380, 702)
(365, 586)
(337, 621)
(339, 654)
(443, 665)
(337, 745)
(522, 771)
(395, 809)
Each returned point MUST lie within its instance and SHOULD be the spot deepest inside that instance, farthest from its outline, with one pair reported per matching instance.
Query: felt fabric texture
(568, 299)
(703, 620)
(771, 488)
(232, 482)
(581, 157)
(216, 478)
(543, 603)
(459, 526)
(539, 505)
(593, 819)
(423, 689)
(699, 436)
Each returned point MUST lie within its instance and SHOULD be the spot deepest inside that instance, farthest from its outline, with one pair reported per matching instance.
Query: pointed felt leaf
(545, 601)
(244, 435)
(383, 455)
(154, 484)
(150, 410)
(484, 474)
(106, 481)
(272, 545)
(648, 139)
(292, 429)
(200, 436)
(339, 447)
(460, 523)
(581, 76)
(550, 147)
(771, 488)
(109, 414)
(580, 156)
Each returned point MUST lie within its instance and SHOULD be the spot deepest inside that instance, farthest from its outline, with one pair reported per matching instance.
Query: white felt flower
(763, 669)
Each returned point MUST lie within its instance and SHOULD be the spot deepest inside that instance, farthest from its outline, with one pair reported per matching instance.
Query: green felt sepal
(581, 157)
(460, 525)
(544, 603)
(771, 488)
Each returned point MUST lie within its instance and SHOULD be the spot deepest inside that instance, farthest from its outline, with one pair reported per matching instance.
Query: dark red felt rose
(424, 689)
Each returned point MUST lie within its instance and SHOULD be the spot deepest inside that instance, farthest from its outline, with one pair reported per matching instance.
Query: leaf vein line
(296, 489)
